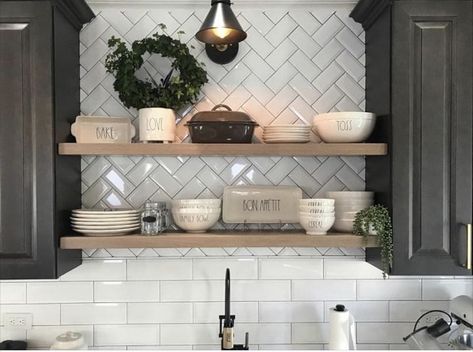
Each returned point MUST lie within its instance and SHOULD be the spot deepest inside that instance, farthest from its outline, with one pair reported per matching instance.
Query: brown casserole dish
(219, 126)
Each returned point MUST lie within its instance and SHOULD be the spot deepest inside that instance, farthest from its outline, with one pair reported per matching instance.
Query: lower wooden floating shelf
(219, 239)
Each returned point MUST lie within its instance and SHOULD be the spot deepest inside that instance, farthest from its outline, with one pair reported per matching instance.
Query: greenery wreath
(174, 91)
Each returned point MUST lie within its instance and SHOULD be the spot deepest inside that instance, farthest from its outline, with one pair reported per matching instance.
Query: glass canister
(154, 218)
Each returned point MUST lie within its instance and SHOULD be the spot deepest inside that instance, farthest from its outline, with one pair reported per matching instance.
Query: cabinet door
(432, 135)
(27, 245)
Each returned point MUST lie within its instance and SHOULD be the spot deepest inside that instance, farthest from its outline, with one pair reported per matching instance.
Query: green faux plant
(376, 219)
(180, 87)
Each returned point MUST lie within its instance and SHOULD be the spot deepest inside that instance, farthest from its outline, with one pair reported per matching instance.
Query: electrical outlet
(22, 321)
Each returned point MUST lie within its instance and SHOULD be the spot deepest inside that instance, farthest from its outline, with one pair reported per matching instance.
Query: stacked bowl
(344, 127)
(105, 222)
(196, 215)
(317, 216)
(347, 204)
(286, 134)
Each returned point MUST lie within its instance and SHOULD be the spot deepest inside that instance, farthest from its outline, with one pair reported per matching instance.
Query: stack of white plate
(347, 204)
(316, 216)
(286, 134)
(105, 222)
(196, 215)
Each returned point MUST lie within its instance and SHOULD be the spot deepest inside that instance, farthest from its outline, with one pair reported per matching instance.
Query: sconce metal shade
(221, 25)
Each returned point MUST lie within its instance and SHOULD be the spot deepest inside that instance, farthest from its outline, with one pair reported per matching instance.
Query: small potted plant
(376, 221)
(156, 101)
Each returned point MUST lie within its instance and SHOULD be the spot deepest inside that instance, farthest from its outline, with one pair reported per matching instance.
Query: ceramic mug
(157, 125)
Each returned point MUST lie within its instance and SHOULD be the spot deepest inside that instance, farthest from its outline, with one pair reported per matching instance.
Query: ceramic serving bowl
(185, 203)
(196, 221)
(316, 202)
(347, 208)
(196, 211)
(343, 225)
(316, 210)
(348, 127)
(316, 225)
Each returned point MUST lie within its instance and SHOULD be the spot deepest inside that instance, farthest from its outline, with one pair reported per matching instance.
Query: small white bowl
(320, 215)
(196, 211)
(346, 115)
(195, 222)
(317, 226)
(344, 129)
(343, 225)
(195, 206)
(352, 195)
(216, 203)
(317, 202)
(316, 210)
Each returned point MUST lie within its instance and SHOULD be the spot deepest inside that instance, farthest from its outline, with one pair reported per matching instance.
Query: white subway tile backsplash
(43, 314)
(111, 335)
(350, 269)
(410, 311)
(126, 291)
(44, 336)
(382, 332)
(141, 313)
(209, 269)
(310, 333)
(389, 289)
(94, 313)
(362, 311)
(291, 312)
(12, 292)
(59, 292)
(446, 289)
(162, 269)
(192, 291)
(264, 333)
(323, 290)
(208, 312)
(297, 347)
(261, 290)
(300, 268)
(192, 334)
(100, 270)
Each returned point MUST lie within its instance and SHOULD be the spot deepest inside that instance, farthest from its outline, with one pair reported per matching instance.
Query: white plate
(106, 227)
(275, 141)
(104, 212)
(287, 126)
(104, 223)
(108, 217)
(101, 233)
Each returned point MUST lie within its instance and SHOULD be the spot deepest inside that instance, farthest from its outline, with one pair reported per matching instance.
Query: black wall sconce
(221, 32)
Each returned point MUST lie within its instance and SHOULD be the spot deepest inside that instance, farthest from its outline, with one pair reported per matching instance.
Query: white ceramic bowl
(196, 211)
(343, 208)
(195, 222)
(316, 202)
(215, 203)
(317, 225)
(354, 195)
(195, 206)
(316, 215)
(340, 129)
(356, 204)
(343, 225)
(346, 115)
(316, 210)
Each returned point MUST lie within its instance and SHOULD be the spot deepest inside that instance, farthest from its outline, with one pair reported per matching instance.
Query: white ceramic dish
(103, 129)
(105, 223)
(322, 208)
(103, 233)
(195, 222)
(216, 203)
(316, 215)
(356, 195)
(343, 225)
(105, 212)
(97, 218)
(286, 126)
(317, 226)
(344, 129)
(196, 211)
(285, 140)
(261, 204)
(315, 211)
(357, 204)
(346, 115)
(342, 208)
(316, 202)
(105, 227)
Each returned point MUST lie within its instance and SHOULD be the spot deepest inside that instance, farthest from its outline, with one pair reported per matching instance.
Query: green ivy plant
(174, 91)
(377, 219)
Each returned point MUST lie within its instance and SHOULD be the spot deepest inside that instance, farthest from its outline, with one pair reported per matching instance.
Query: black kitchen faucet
(228, 322)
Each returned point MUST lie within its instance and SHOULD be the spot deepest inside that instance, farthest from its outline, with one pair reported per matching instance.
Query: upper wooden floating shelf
(219, 239)
(312, 149)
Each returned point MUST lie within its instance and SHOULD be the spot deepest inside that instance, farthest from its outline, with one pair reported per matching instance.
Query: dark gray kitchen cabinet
(39, 97)
(419, 81)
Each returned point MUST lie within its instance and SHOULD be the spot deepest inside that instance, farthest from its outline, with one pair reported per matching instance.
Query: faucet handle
(247, 341)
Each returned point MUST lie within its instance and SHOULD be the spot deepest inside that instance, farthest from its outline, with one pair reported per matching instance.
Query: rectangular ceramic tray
(261, 204)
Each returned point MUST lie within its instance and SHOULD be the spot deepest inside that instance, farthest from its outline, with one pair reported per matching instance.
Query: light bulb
(222, 32)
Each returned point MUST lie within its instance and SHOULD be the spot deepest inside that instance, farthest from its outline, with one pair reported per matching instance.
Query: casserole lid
(219, 116)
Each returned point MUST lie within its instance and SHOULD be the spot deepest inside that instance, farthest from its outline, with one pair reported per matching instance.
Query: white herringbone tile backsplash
(293, 65)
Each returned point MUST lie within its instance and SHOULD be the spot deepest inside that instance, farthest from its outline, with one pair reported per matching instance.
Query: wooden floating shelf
(220, 239)
(308, 149)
